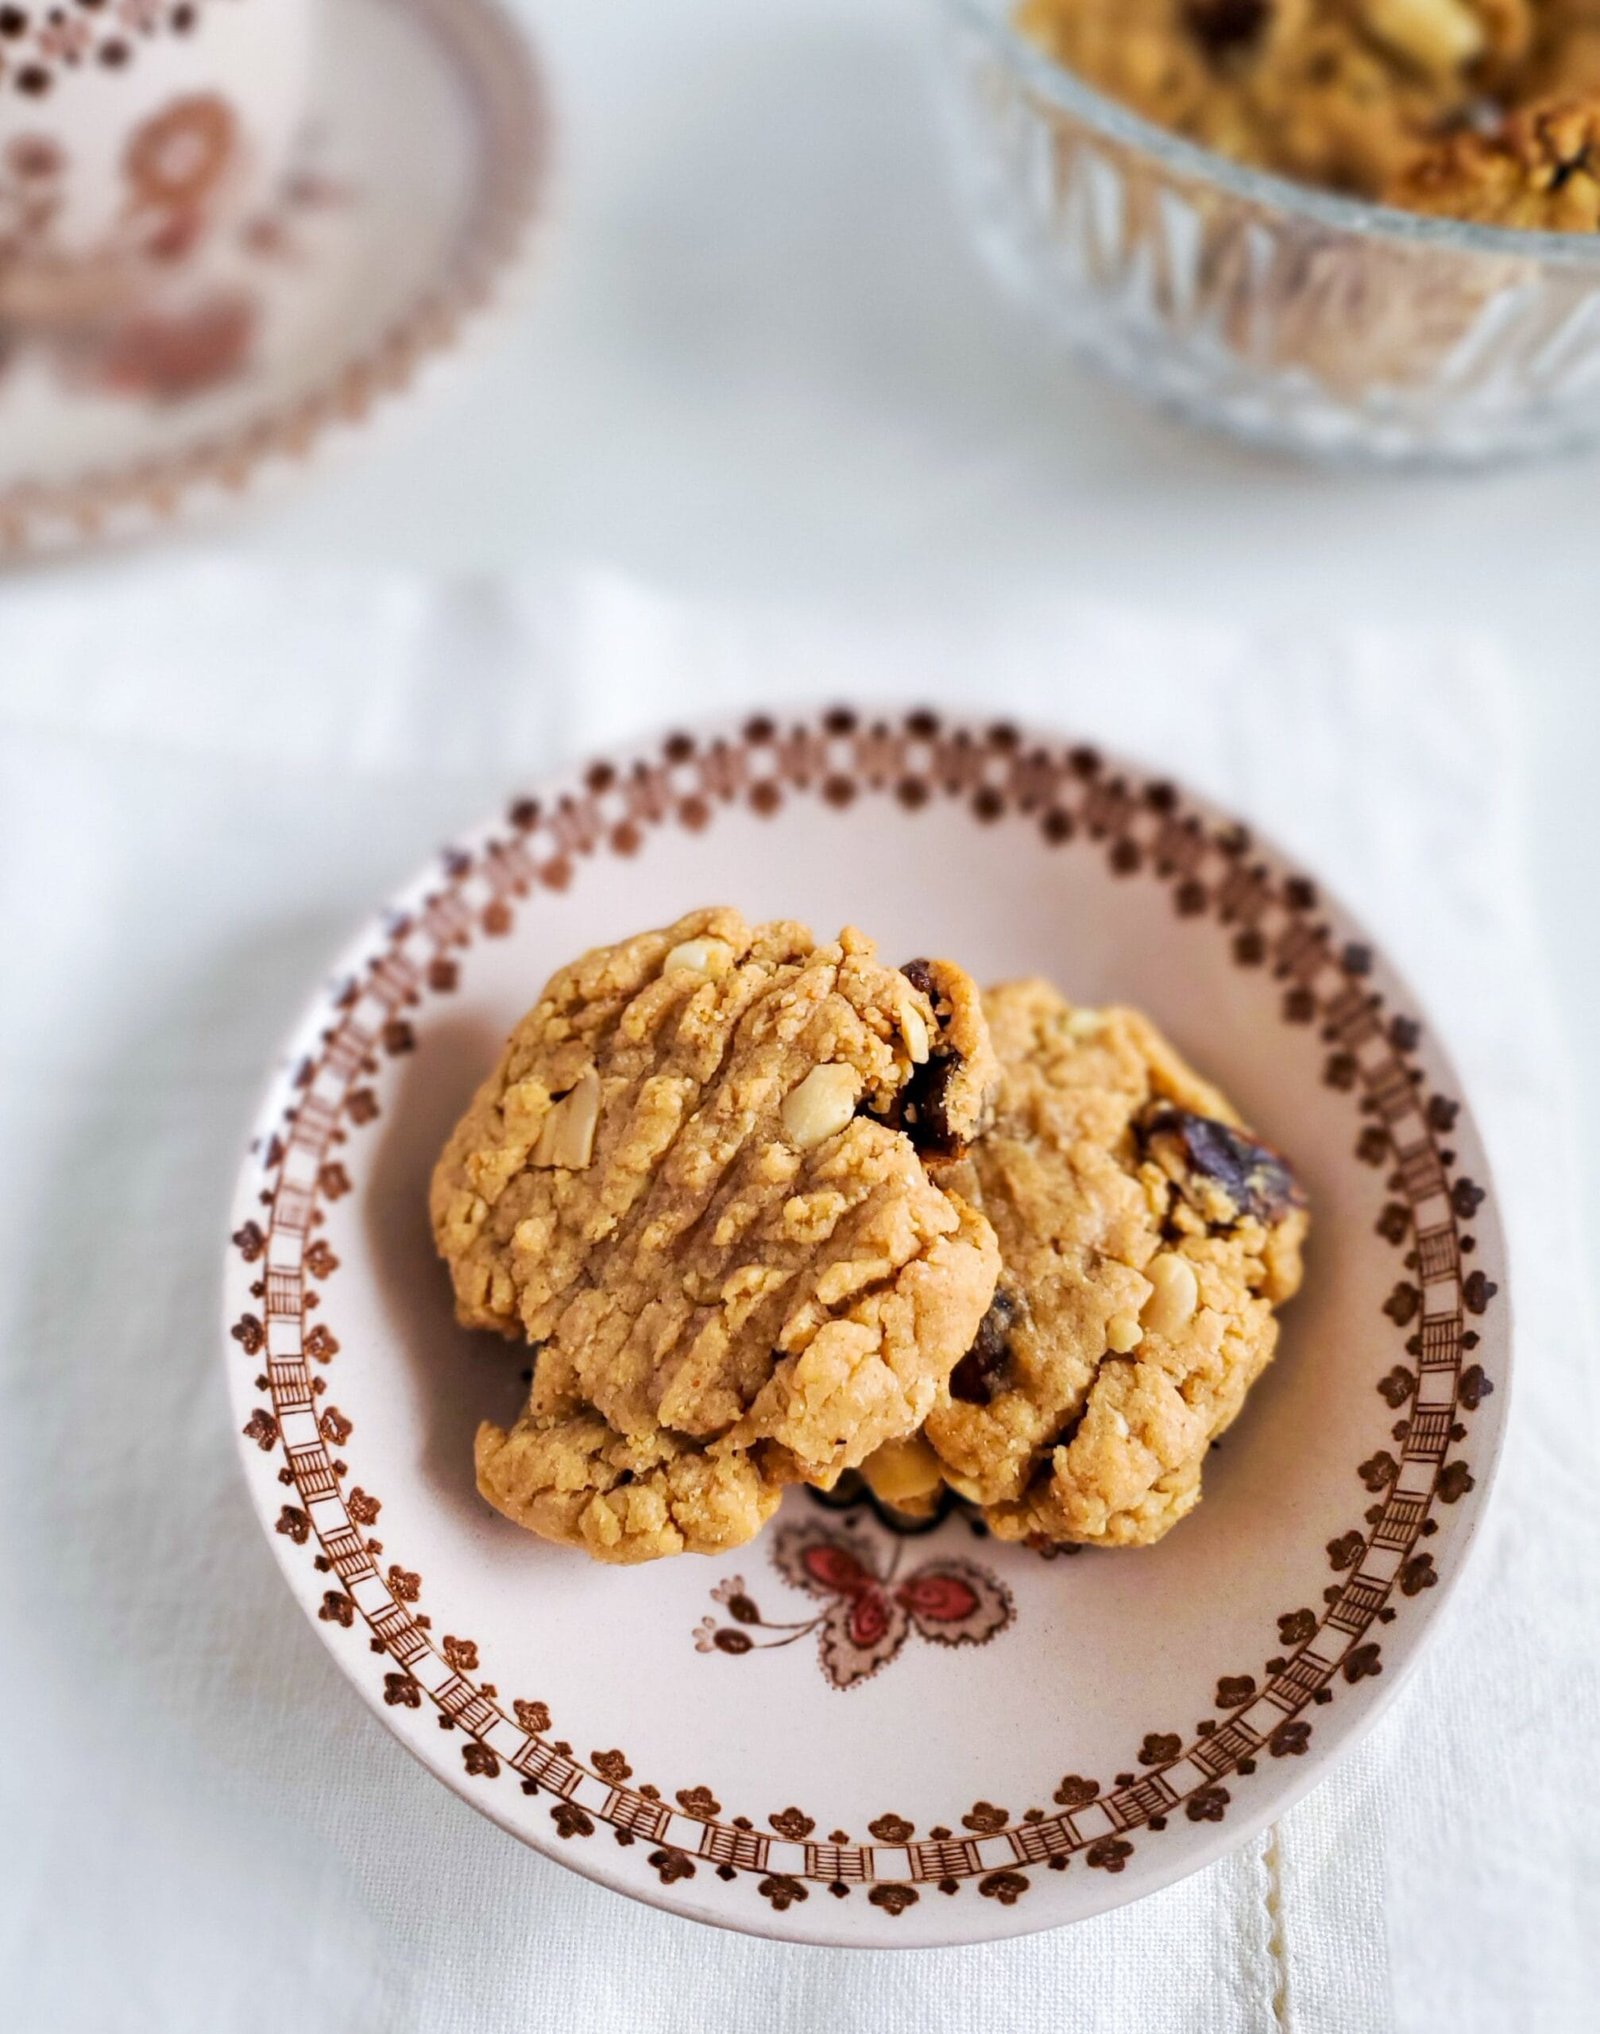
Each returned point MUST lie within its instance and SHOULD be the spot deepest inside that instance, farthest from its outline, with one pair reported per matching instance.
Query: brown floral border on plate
(496, 65)
(1143, 828)
(39, 42)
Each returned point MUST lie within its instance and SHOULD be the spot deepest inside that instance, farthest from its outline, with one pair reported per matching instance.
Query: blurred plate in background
(422, 169)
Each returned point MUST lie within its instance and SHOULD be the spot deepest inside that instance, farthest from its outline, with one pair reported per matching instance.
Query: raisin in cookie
(1145, 1241)
(697, 1182)
(1333, 92)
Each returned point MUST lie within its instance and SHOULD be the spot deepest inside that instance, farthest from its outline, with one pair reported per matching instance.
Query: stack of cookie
(774, 1212)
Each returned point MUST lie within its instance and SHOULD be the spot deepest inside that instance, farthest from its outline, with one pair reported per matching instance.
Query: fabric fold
(208, 776)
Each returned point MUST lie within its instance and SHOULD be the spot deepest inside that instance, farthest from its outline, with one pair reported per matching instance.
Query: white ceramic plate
(374, 260)
(1112, 1720)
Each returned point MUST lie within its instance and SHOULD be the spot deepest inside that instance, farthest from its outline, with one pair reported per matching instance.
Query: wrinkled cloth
(207, 777)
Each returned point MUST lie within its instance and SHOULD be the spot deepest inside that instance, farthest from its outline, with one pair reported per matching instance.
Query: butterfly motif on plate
(868, 1608)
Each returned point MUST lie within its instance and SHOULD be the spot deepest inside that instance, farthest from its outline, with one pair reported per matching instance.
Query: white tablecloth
(205, 778)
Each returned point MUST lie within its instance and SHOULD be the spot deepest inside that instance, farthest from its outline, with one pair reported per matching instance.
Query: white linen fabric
(206, 778)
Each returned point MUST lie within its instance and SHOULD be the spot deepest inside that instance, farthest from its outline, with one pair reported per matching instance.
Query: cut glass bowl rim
(1070, 95)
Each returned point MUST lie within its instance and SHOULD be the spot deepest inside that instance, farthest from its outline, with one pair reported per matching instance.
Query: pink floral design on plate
(869, 1609)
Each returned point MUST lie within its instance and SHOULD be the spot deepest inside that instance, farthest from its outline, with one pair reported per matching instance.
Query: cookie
(1332, 92)
(1539, 169)
(708, 1180)
(1146, 1240)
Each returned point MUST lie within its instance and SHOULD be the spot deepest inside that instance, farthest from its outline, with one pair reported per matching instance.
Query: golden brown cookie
(707, 1181)
(1538, 169)
(1332, 92)
(1145, 1242)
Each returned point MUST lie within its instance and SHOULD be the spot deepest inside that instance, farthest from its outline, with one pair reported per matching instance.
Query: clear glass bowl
(1289, 316)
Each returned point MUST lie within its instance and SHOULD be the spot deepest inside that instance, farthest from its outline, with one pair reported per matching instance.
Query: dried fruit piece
(976, 1378)
(925, 1107)
(949, 1099)
(1220, 1172)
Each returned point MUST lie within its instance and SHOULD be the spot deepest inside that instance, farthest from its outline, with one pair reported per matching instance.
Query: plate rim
(998, 1920)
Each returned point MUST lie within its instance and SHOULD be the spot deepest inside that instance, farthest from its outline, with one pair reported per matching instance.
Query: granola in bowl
(1438, 106)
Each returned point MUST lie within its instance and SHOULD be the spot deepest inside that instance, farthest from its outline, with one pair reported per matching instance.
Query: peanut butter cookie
(1145, 1241)
(708, 1180)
